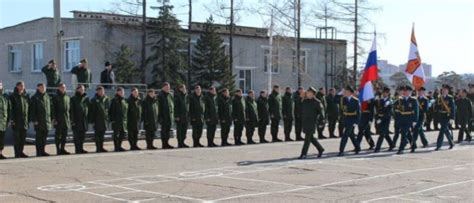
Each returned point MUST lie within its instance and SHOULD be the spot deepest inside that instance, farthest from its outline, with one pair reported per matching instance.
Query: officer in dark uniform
(350, 109)
(4, 118)
(196, 114)
(238, 116)
(263, 115)
(40, 116)
(53, 78)
(79, 114)
(365, 124)
(99, 117)
(83, 73)
(340, 126)
(464, 113)
(225, 115)
(287, 112)
(332, 111)
(436, 94)
(274, 107)
(322, 98)
(134, 114)
(446, 111)
(470, 96)
(396, 114)
(418, 129)
(383, 107)
(166, 116)
(61, 118)
(210, 115)
(408, 114)
(251, 116)
(430, 111)
(181, 112)
(298, 98)
(311, 115)
(118, 118)
(150, 114)
(19, 101)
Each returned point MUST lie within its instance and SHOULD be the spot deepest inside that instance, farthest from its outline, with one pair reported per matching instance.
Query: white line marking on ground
(419, 192)
(413, 200)
(104, 196)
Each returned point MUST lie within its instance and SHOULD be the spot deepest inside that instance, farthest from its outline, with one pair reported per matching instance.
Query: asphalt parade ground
(250, 173)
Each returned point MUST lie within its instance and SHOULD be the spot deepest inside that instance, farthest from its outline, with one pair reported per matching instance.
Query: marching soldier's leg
(131, 135)
(353, 138)
(298, 129)
(165, 136)
(288, 124)
(449, 136)
(396, 133)
(2, 144)
(249, 130)
(225, 129)
(75, 139)
(424, 141)
(99, 141)
(318, 146)
(416, 132)
(404, 140)
(321, 131)
(150, 137)
(38, 142)
(461, 132)
(210, 134)
(340, 128)
(368, 137)
(262, 129)
(63, 142)
(332, 127)
(441, 133)
(274, 130)
(57, 141)
(304, 151)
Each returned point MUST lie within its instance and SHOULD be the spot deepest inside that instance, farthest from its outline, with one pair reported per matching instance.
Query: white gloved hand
(378, 121)
(451, 121)
(387, 103)
(355, 125)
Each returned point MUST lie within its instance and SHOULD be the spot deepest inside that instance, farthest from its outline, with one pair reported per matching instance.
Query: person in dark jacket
(225, 115)
(118, 118)
(61, 118)
(311, 114)
(196, 114)
(251, 116)
(150, 114)
(332, 111)
(274, 108)
(181, 113)
(287, 112)
(464, 113)
(238, 116)
(107, 76)
(53, 78)
(408, 115)
(166, 116)
(383, 115)
(99, 117)
(40, 116)
(79, 118)
(350, 110)
(210, 115)
(320, 95)
(365, 123)
(4, 118)
(134, 114)
(446, 111)
(83, 73)
(19, 101)
(263, 115)
(298, 100)
(418, 131)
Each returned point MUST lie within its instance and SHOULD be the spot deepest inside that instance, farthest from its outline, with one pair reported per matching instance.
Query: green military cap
(349, 88)
(312, 89)
(84, 60)
(446, 86)
(52, 61)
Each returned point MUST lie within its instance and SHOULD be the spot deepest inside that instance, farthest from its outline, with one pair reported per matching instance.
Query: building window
(14, 59)
(303, 61)
(274, 63)
(245, 80)
(72, 54)
(37, 57)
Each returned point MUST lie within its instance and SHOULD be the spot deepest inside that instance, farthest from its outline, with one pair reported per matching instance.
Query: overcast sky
(444, 28)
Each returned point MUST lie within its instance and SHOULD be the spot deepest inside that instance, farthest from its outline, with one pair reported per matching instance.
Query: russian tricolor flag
(370, 73)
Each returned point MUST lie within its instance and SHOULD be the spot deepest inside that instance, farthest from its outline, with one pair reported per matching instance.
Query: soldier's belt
(380, 114)
(350, 113)
(365, 111)
(405, 113)
(446, 112)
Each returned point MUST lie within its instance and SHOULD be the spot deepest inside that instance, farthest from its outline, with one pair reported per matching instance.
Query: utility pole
(190, 17)
(356, 31)
(326, 47)
(270, 61)
(144, 36)
(298, 39)
(58, 33)
(231, 58)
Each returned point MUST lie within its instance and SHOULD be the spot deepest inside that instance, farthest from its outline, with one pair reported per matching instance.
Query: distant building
(26, 47)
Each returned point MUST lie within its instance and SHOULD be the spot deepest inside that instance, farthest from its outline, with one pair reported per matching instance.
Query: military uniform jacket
(464, 109)
(383, 107)
(224, 110)
(408, 110)
(52, 76)
(99, 112)
(19, 110)
(150, 113)
(287, 107)
(83, 74)
(166, 110)
(424, 108)
(196, 109)
(238, 110)
(134, 113)
(445, 107)
(181, 107)
(79, 112)
(370, 111)
(210, 113)
(274, 106)
(332, 106)
(4, 112)
(251, 115)
(118, 113)
(262, 108)
(350, 109)
(60, 111)
(311, 115)
(297, 100)
(40, 111)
